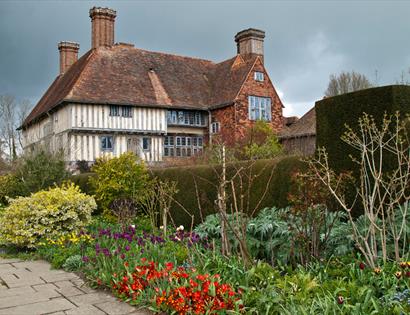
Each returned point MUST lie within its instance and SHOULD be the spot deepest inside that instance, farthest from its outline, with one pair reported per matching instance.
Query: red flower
(169, 266)
(362, 266)
(340, 299)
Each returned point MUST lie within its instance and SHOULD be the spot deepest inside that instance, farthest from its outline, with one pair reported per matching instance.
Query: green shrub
(10, 187)
(118, 177)
(83, 181)
(40, 170)
(73, 263)
(48, 213)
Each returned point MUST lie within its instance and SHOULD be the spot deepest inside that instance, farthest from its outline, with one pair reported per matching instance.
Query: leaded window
(259, 108)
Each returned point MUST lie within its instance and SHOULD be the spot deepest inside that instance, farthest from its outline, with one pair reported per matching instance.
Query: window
(107, 143)
(200, 140)
(178, 141)
(146, 144)
(126, 111)
(169, 141)
(182, 146)
(259, 76)
(181, 118)
(187, 118)
(198, 118)
(114, 110)
(259, 108)
(215, 127)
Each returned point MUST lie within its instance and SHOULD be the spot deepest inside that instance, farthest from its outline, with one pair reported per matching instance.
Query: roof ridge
(163, 53)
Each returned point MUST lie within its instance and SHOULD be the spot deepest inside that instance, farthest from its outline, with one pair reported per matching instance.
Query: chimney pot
(68, 55)
(102, 26)
(250, 41)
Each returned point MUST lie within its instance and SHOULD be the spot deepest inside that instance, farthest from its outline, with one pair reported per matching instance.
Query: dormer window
(259, 76)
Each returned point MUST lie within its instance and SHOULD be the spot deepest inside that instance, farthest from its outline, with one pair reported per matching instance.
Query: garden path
(32, 288)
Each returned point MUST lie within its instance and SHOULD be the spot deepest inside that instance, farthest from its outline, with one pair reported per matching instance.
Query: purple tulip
(106, 252)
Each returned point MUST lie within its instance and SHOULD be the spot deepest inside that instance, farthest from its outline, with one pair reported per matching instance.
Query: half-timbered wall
(98, 117)
(84, 146)
(77, 129)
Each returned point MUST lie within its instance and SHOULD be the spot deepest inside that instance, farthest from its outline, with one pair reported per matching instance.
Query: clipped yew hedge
(199, 181)
(332, 115)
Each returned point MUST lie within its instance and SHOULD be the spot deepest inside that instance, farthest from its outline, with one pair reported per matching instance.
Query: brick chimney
(250, 41)
(68, 55)
(102, 26)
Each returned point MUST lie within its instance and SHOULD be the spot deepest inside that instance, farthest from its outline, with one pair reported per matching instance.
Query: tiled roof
(122, 74)
(305, 126)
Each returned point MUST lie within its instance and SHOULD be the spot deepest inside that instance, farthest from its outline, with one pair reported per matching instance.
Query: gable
(264, 88)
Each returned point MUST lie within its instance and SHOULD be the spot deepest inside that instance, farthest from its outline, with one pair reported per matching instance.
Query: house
(298, 136)
(119, 98)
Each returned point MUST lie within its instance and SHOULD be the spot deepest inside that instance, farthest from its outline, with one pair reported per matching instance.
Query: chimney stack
(102, 31)
(68, 55)
(250, 41)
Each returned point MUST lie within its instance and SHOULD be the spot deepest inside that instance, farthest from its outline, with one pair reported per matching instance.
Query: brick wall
(234, 119)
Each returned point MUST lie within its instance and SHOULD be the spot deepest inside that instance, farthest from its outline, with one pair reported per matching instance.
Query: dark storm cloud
(306, 41)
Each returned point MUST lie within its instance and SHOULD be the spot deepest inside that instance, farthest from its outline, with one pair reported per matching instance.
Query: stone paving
(32, 288)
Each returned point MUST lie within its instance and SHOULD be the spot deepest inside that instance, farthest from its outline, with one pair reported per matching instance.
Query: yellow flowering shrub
(67, 240)
(46, 214)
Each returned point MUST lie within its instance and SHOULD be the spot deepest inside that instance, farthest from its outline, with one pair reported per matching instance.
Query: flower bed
(183, 274)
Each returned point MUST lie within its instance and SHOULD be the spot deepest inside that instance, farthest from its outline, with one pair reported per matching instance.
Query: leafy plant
(118, 178)
(73, 263)
(48, 213)
(40, 170)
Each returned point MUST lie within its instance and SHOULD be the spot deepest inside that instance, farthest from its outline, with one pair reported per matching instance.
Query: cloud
(309, 74)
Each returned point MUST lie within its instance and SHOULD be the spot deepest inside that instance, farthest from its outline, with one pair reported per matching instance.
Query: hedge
(203, 178)
(332, 114)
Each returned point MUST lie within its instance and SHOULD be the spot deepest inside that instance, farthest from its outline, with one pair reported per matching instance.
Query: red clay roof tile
(120, 74)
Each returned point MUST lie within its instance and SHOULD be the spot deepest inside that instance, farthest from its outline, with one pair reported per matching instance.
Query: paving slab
(32, 288)
(30, 298)
(85, 310)
(43, 307)
(9, 260)
(113, 308)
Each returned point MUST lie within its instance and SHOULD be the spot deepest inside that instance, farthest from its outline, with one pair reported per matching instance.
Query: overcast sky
(305, 42)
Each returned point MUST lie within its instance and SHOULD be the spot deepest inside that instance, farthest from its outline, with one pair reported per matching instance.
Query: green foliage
(33, 172)
(118, 177)
(48, 213)
(332, 114)
(83, 167)
(40, 170)
(260, 142)
(274, 235)
(73, 263)
(58, 255)
(10, 187)
(197, 191)
(84, 182)
(196, 186)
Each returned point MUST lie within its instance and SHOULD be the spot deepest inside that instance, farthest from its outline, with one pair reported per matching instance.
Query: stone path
(31, 288)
